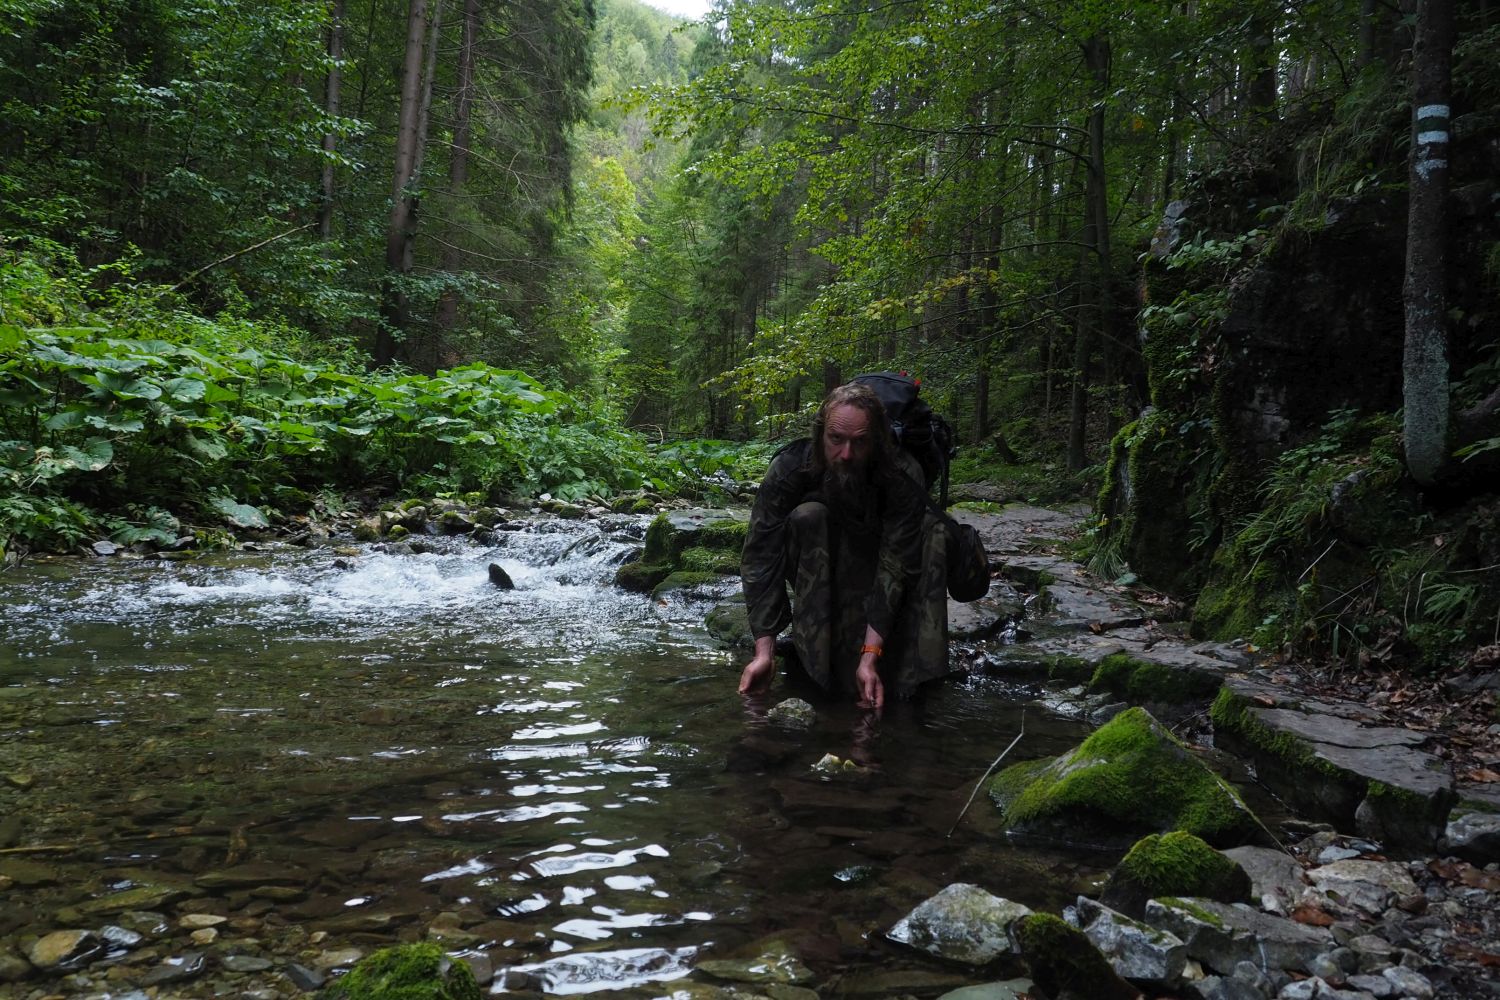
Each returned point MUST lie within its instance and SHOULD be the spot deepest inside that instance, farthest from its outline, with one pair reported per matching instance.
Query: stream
(384, 746)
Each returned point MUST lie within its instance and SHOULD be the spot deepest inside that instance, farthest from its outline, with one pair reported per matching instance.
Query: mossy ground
(406, 972)
(1131, 774)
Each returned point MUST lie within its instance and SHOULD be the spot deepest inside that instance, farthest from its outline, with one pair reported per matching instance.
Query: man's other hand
(867, 683)
(756, 676)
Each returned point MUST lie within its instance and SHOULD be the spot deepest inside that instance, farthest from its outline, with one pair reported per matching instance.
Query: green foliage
(90, 417)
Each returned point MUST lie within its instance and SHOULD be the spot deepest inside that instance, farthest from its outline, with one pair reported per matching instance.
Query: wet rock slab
(1370, 777)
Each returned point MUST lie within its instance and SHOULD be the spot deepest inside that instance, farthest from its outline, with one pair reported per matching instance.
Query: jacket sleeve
(763, 561)
(903, 504)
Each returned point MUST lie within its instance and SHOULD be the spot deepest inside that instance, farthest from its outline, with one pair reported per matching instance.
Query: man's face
(847, 439)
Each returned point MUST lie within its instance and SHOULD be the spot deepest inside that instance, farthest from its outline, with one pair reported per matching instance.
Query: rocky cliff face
(1272, 336)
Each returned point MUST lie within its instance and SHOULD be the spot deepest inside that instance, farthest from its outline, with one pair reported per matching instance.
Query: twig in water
(993, 764)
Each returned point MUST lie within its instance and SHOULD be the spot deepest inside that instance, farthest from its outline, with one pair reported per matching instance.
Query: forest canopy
(1113, 240)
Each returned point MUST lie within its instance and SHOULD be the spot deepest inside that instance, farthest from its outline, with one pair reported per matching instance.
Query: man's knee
(809, 516)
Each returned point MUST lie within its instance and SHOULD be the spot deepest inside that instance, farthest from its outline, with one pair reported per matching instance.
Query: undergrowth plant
(103, 433)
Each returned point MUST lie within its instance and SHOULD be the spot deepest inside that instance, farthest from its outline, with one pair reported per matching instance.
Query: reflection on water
(564, 766)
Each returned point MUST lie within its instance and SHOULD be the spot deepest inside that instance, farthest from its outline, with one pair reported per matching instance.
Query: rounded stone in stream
(303, 978)
(500, 578)
(793, 712)
(775, 964)
(246, 963)
(121, 937)
(65, 949)
(176, 970)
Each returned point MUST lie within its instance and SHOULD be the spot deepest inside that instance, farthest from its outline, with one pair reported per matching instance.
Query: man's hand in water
(867, 683)
(758, 672)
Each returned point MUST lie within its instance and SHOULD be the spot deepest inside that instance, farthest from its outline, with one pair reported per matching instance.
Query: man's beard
(847, 487)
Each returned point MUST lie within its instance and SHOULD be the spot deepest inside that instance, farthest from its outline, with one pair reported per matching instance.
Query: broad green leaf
(239, 515)
(185, 390)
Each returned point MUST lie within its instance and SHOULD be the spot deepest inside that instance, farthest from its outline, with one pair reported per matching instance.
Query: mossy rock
(1064, 962)
(1063, 667)
(729, 623)
(670, 535)
(640, 576)
(1143, 681)
(1173, 864)
(1130, 777)
(700, 559)
(683, 580)
(664, 543)
(405, 972)
(726, 534)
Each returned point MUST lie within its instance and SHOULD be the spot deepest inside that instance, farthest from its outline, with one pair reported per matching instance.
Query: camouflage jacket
(897, 504)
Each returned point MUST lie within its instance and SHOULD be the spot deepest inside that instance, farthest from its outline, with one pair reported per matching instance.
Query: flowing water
(381, 738)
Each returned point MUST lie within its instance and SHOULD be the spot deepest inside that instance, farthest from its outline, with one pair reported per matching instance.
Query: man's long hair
(883, 442)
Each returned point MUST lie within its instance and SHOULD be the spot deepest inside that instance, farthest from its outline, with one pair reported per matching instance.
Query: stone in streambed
(775, 963)
(794, 713)
(176, 970)
(1136, 951)
(1063, 960)
(500, 578)
(1221, 935)
(420, 970)
(963, 923)
(65, 949)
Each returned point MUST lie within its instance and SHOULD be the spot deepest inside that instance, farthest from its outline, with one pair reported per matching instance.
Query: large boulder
(1130, 777)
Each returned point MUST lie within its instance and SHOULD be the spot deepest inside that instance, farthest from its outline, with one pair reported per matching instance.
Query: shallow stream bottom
(565, 766)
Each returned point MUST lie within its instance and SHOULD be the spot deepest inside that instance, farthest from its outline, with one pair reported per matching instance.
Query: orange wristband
(867, 648)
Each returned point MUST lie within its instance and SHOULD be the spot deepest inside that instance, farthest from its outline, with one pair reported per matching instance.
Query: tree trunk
(1260, 69)
(1094, 272)
(331, 105)
(403, 202)
(458, 163)
(1425, 361)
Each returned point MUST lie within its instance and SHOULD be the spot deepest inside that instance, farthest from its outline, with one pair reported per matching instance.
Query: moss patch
(1196, 912)
(1131, 774)
(1145, 681)
(406, 972)
(1062, 960)
(700, 559)
(1173, 864)
(1232, 714)
(1068, 668)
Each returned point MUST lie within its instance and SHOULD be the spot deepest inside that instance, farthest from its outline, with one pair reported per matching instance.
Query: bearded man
(843, 519)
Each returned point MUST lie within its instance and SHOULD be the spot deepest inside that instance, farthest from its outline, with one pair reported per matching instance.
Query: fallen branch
(993, 764)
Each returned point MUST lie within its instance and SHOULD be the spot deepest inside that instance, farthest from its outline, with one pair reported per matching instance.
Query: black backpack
(930, 439)
(926, 435)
